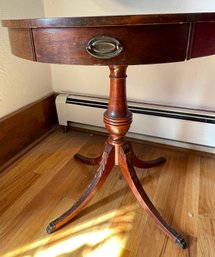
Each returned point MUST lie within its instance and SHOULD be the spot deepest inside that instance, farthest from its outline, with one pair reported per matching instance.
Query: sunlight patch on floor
(99, 236)
(112, 247)
(87, 241)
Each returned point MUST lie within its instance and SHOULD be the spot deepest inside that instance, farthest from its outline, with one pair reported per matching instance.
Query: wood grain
(114, 224)
(21, 43)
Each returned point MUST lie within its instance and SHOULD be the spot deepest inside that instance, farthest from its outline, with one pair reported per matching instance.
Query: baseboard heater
(154, 121)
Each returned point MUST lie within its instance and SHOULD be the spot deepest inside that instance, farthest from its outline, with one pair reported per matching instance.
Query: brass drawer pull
(104, 47)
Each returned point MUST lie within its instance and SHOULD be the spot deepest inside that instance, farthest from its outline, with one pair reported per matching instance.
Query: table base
(119, 152)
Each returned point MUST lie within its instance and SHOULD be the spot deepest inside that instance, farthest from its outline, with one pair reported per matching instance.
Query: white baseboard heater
(152, 122)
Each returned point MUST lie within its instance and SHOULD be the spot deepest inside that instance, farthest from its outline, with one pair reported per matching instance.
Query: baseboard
(23, 127)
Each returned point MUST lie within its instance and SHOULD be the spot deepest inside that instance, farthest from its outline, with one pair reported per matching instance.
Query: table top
(114, 40)
(120, 20)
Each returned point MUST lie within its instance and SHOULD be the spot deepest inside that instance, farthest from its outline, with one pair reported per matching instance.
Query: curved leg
(144, 164)
(87, 160)
(103, 171)
(136, 187)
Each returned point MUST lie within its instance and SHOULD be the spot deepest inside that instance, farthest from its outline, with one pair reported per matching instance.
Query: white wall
(21, 81)
(117, 7)
(189, 84)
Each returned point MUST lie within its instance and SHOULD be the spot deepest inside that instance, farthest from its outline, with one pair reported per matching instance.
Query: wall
(21, 82)
(171, 84)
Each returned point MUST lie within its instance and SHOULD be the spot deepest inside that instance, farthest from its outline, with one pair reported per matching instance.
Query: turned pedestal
(118, 151)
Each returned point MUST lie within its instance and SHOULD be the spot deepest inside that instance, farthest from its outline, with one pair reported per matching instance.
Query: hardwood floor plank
(206, 223)
(207, 188)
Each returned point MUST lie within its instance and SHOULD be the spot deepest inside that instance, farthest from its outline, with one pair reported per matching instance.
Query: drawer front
(143, 44)
(21, 43)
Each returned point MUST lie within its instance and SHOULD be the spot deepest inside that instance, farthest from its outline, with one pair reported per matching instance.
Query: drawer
(142, 44)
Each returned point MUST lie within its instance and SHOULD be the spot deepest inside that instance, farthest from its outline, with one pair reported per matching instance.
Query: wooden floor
(47, 180)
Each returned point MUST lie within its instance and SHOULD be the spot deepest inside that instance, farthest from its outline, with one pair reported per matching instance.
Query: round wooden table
(115, 41)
